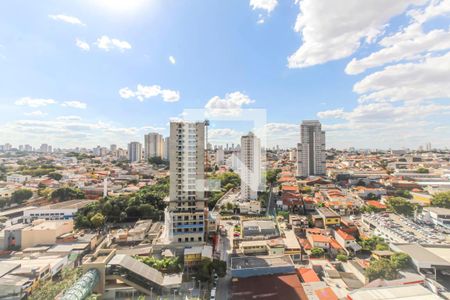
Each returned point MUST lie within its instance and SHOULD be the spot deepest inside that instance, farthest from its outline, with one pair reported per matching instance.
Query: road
(225, 247)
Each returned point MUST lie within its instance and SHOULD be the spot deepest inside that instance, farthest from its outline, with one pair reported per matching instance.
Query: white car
(213, 294)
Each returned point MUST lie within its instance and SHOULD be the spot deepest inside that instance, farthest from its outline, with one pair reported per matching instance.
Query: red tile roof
(307, 275)
(326, 294)
(345, 235)
(376, 204)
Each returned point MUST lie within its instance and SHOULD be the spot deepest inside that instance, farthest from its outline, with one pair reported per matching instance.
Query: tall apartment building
(220, 156)
(134, 152)
(153, 145)
(250, 169)
(311, 153)
(166, 148)
(185, 214)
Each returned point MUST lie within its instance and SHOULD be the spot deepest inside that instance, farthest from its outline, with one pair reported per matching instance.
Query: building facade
(186, 212)
(134, 152)
(153, 145)
(250, 170)
(311, 153)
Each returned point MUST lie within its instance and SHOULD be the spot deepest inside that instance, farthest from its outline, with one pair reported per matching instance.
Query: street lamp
(151, 291)
(174, 291)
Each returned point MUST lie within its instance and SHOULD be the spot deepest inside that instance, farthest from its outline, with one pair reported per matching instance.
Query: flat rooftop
(269, 287)
(71, 204)
(327, 212)
(406, 292)
(422, 256)
(438, 210)
(251, 262)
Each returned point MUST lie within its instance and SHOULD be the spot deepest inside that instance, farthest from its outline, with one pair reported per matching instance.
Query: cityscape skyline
(366, 92)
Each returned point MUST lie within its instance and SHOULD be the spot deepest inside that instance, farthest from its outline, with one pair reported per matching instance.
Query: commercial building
(134, 152)
(58, 211)
(409, 291)
(186, 211)
(311, 150)
(153, 145)
(17, 178)
(437, 215)
(249, 266)
(250, 170)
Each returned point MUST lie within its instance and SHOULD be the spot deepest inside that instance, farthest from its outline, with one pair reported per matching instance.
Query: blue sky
(82, 73)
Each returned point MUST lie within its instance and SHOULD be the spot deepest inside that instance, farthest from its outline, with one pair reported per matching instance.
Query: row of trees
(228, 181)
(374, 243)
(17, 197)
(388, 268)
(147, 203)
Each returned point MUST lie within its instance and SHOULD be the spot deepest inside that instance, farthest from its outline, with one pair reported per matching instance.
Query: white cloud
(172, 60)
(75, 104)
(335, 113)
(231, 105)
(67, 19)
(143, 92)
(106, 43)
(36, 113)
(82, 45)
(34, 102)
(409, 43)
(69, 118)
(267, 5)
(333, 30)
(424, 80)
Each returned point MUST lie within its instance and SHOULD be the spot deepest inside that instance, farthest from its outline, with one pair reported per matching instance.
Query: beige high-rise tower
(250, 170)
(186, 212)
(311, 153)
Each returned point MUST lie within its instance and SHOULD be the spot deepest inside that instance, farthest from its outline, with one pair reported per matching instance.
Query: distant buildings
(166, 149)
(185, 214)
(134, 152)
(311, 149)
(251, 166)
(153, 145)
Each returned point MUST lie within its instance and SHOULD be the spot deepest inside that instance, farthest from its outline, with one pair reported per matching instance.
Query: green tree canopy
(21, 195)
(401, 261)
(381, 268)
(401, 206)
(272, 175)
(423, 170)
(97, 220)
(55, 176)
(317, 252)
(441, 200)
(67, 193)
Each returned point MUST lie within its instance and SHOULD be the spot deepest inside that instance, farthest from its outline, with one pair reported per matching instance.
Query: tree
(401, 206)
(381, 268)
(403, 193)
(381, 247)
(272, 175)
(317, 252)
(371, 243)
(423, 170)
(401, 261)
(21, 195)
(441, 200)
(67, 193)
(97, 220)
(342, 257)
(55, 176)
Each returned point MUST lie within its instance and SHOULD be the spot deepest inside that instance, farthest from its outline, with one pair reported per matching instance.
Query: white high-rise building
(250, 169)
(220, 156)
(186, 211)
(153, 145)
(311, 153)
(134, 152)
(166, 149)
(113, 148)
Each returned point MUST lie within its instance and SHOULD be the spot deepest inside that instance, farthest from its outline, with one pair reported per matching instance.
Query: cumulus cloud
(36, 113)
(143, 92)
(82, 45)
(106, 43)
(68, 118)
(423, 80)
(34, 102)
(333, 30)
(267, 5)
(230, 105)
(67, 19)
(172, 60)
(74, 104)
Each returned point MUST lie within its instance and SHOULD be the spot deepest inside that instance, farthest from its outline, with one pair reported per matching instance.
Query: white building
(185, 214)
(250, 170)
(166, 149)
(17, 178)
(153, 145)
(311, 149)
(220, 156)
(437, 216)
(134, 152)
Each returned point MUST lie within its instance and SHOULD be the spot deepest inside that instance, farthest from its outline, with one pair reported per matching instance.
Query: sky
(82, 73)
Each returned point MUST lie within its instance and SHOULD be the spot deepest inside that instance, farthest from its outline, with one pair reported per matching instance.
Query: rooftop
(406, 292)
(251, 262)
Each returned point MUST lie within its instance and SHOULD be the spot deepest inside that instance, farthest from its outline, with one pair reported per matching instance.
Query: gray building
(185, 214)
(134, 152)
(311, 153)
(153, 145)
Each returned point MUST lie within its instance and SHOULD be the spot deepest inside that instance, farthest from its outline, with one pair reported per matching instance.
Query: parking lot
(397, 228)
